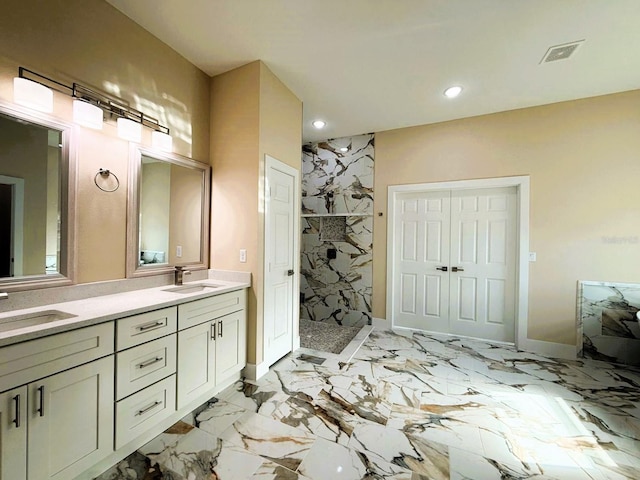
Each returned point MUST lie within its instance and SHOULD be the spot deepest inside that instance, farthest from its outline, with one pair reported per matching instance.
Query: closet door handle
(17, 419)
(457, 269)
(442, 269)
(40, 409)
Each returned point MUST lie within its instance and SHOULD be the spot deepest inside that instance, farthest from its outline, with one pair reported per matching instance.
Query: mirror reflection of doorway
(6, 227)
(11, 225)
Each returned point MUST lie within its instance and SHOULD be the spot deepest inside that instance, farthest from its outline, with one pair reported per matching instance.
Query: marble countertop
(99, 309)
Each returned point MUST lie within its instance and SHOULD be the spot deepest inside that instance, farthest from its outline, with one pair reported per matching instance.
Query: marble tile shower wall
(608, 328)
(337, 227)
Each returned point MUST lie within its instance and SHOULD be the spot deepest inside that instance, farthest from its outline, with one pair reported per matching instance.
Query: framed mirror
(37, 200)
(168, 213)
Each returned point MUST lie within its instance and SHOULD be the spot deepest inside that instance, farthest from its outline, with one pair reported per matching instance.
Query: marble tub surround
(608, 328)
(414, 407)
(97, 309)
(336, 182)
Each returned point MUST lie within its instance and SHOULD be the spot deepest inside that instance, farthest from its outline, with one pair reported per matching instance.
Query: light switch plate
(532, 256)
(243, 255)
(179, 251)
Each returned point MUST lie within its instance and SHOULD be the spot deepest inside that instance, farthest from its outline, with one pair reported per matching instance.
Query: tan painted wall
(583, 158)
(252, 114)
(235, 134)
(94, 44)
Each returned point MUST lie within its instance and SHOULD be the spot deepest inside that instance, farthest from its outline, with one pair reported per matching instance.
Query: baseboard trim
(548, 349)
(254, 372)
(380, 323)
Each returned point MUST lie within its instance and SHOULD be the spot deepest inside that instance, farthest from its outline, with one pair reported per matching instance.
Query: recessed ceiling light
(453, 92)
(319, 123)
(344, 149)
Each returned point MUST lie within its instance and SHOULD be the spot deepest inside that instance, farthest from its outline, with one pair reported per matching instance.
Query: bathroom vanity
(85, 383)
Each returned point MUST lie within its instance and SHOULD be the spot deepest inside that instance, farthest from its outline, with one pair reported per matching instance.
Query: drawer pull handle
(149, 326)
(40, 409)
(150, 362)
(220, 328)
(17, 419)
(149, 408)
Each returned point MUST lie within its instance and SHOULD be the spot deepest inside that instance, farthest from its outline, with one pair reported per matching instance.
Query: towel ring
(105, 173)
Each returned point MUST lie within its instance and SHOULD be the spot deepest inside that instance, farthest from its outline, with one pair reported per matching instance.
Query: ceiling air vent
(561, 52)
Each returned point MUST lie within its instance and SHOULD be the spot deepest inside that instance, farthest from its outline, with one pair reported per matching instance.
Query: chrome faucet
(179, 274)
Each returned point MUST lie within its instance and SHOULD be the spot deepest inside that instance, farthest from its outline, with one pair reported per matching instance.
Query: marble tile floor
(416, 406)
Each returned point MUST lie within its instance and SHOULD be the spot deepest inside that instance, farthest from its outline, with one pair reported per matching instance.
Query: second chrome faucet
(179, 274)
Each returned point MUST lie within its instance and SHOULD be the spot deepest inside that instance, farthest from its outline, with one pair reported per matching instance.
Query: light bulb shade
(129, 130)
(161, 141)
(87, 114)
(32, 95)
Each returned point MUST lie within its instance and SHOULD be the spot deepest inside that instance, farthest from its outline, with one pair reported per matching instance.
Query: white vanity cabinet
(211, 343)
(56, 425)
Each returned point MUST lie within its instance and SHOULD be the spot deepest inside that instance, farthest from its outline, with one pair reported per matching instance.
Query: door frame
(271, 162)
(522, 184)
(17, 239)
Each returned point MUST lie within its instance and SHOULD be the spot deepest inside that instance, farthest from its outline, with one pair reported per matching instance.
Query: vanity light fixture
(319, 124)
(129, 130)
(89, 106)
(161, 141)
(87, 114)
(453, 92)
(32, 94)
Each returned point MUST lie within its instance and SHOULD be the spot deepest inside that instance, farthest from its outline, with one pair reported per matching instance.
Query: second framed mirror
(168, 213)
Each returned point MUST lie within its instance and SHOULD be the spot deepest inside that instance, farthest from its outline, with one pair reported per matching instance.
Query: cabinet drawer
(28, 361)
(139, 412)
(145, 327)
(199, 311)
(145, 364)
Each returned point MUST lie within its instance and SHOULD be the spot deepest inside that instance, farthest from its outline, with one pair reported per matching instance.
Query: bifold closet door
(454, 262)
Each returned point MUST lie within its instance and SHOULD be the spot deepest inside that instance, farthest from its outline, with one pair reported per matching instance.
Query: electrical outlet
(179, 251)
(243, 255)
(532, 256)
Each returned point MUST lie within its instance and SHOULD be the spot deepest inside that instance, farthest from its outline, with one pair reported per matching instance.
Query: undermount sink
(32, 319)
(199, 287)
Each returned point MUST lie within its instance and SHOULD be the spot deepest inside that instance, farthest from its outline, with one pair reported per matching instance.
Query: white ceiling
(374, 65)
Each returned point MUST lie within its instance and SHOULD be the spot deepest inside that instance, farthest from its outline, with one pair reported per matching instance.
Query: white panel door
(421, 259)
(483, 256)
(454, 262)
(280, 234)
